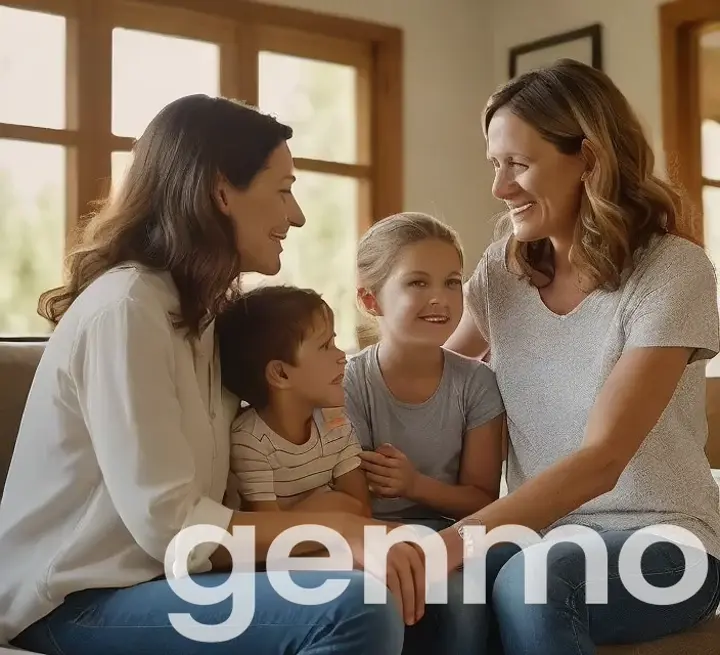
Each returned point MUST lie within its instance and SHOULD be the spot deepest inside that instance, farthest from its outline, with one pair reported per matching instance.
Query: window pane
(32, 68)
(317, 99)
(711, 222)
(711, 149)
(32, 231)
(119, 162)
(151, 70)
(321, 254)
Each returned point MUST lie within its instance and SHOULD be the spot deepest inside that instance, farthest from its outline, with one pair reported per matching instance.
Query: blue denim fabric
(134, 621)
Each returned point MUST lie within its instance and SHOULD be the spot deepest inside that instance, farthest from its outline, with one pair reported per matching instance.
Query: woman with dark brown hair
(117, 482)
(599, 319)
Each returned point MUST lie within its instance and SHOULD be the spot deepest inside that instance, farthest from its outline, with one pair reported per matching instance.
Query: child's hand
(389, 472)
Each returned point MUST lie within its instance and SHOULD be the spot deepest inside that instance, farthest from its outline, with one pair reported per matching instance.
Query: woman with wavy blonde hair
(598, 319)
(125, 440)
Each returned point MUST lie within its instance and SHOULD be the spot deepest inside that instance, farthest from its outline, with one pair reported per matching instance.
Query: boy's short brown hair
(259, 326)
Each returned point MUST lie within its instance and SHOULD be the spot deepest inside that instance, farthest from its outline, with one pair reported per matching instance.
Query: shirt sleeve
(676, 304)
(483, 401)
(349, 457)
(476, 296)
(250, 464)
(123, 363)
(356, 408)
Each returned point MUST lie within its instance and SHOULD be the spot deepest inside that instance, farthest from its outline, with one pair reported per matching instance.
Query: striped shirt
(271, 468)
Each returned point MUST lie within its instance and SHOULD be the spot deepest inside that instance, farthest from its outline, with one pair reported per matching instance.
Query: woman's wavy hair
(164, 215)
(623, 204)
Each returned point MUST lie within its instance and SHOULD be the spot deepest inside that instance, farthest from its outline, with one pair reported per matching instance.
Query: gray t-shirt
(431, 434)
(550, 369)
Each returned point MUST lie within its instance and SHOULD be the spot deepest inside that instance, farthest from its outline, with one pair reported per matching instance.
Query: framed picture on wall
(584, 44)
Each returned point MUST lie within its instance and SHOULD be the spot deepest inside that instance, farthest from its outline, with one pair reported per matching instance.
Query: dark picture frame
(583, 44)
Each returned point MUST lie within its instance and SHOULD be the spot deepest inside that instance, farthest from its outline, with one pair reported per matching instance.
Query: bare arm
(338, 500)
(354, 484)
(479, 479)
(628, 406)
(405, 573)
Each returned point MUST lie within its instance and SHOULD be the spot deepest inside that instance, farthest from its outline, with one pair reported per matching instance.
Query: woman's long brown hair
(164, 215)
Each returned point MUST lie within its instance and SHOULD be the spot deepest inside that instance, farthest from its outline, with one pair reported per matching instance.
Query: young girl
(429, 420)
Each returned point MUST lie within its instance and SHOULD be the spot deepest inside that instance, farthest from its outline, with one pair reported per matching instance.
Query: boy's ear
(369, 302)
(276, 374)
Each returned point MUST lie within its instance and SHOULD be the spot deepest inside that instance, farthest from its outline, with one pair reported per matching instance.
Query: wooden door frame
(680, 75)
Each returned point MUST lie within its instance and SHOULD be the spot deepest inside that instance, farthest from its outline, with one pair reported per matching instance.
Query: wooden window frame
(680, 21)
(246, 28)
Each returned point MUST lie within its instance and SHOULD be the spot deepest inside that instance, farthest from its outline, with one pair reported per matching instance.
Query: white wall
(448, 78)
(631, 44)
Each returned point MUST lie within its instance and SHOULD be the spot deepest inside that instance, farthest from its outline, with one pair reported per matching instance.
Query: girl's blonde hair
(379, 249)
(624, 203)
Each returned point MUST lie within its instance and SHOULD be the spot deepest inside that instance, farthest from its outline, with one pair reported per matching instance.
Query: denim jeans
(134, 621)
(453, 628)
(568, 624)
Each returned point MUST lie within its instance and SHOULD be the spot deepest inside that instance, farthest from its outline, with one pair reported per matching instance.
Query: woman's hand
(389, 472)
(405, 572)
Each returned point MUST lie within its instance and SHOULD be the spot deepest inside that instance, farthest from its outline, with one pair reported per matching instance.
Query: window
(319, 87)
(106, 68)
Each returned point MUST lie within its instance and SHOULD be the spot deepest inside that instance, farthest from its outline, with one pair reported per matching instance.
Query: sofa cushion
(704, 639)
(18, 361)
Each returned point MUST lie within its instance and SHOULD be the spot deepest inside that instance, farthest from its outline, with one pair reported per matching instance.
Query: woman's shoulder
(138, 283)
(467, 369)
(492, 262)
(495, 254)
(669, 258)
(127, 286)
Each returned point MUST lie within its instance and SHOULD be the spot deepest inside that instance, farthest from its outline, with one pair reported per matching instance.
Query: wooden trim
(332, 168)
(239, 68)
(121, 143)
(89, 66)
(170, 21)
(247, 11)
(364, 143)
(67, 8)
(387, 127)
(314, 46)
(713, 183)
(680, 21)
(680, 12)
(38, 134)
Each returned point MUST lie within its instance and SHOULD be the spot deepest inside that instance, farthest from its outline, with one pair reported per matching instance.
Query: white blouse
(123, 443)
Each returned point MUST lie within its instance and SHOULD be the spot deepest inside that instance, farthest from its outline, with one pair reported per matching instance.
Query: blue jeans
(454, 628)
(134, 621)
(569, 625)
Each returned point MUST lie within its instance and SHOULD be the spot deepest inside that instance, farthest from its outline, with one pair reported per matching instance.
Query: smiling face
(318, 371)
(421, 301)
(263, 213)
(541, 186)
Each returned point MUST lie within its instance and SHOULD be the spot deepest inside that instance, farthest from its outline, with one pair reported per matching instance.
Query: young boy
(293, 448)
